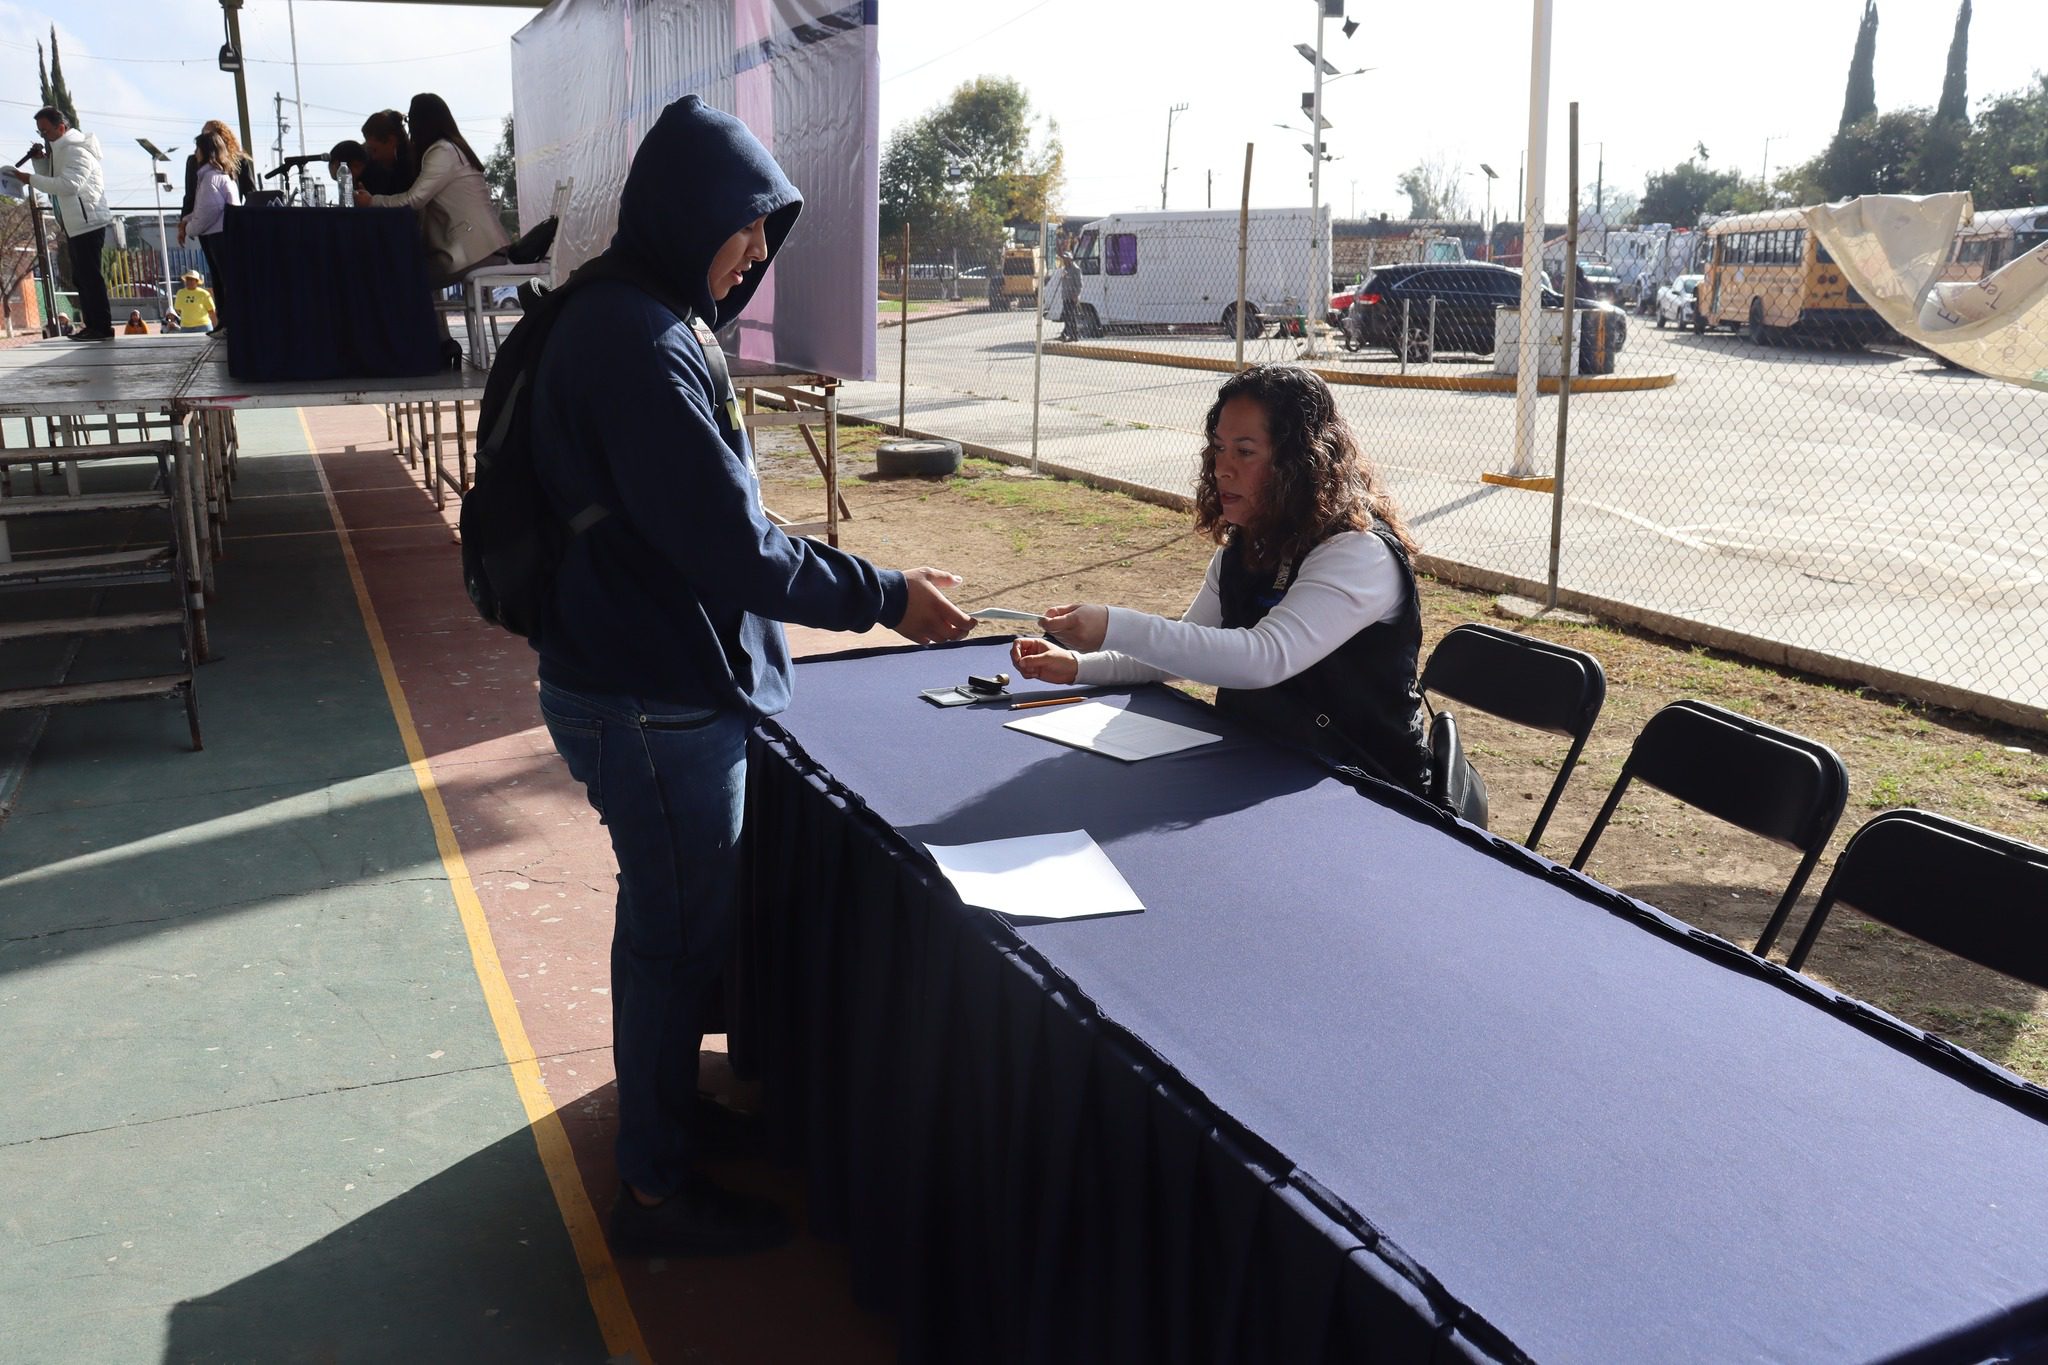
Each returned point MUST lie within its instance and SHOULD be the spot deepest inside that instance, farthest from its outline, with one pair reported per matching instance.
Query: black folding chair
(1978, 895)
(1757, 777)
(1527, 681)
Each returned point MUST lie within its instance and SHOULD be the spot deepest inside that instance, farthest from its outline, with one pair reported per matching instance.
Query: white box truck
(1179, 269)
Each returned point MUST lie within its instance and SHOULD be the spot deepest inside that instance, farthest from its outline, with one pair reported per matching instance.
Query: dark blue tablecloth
(327, 294)
(1360, 1083)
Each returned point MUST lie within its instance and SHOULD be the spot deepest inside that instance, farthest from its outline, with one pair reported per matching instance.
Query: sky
(1652, 80)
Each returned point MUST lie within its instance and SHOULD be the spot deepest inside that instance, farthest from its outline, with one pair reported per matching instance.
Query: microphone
(291, 161)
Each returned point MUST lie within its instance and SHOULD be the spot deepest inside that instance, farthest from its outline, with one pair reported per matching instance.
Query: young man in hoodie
(664, 643)
(68, 170)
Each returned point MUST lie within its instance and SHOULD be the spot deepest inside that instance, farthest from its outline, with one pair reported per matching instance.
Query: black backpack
(513, 541)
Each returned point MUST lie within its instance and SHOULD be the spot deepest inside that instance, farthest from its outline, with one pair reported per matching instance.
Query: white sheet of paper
(12, 185)
(1107, 730)
(1004, 614)
(1038, 876)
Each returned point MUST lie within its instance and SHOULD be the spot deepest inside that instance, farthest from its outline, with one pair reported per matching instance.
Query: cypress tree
(1860, 102)
(60, 94)
(43, 74)
(1954, 106)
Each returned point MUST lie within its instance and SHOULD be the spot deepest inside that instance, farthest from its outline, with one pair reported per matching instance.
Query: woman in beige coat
(457, 216)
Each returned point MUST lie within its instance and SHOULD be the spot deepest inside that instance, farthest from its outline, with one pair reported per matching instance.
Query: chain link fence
(1750, 458)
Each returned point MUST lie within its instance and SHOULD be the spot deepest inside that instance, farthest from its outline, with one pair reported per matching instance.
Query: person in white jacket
(458, 219)
(67, 168)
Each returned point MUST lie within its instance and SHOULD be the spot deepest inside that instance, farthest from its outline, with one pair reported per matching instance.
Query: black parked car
(1466, 295)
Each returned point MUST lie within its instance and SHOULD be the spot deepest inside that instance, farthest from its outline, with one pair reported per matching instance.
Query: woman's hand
(1044, 661)
(363, 199)
(181, 232)
(1080, 626)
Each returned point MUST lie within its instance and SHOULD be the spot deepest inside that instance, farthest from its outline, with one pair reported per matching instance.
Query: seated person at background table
(194, 303)
(348, 153)
(387, 151)
(244, 171)
(136, 326)
(169, 324)
(217, 193)
(1308, 621)
(457, 215)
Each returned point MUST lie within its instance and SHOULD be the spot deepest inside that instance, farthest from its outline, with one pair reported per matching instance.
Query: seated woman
(457, 216)
(387, 154)
(1308, 621)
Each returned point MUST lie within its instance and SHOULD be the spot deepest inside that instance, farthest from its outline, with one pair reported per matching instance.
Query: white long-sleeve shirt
(1347, 583)
(216, 194)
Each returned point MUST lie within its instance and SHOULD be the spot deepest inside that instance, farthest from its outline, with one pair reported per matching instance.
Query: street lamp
(1318, 275)
(157, 181)
(1172, 111)
(1765, 180)
(1490, 178)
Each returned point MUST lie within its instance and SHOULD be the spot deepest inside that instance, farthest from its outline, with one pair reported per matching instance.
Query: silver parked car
(1678, 300)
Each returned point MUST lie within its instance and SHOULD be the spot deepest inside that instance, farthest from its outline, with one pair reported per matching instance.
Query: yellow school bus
(1768, 276)
(1994, 238)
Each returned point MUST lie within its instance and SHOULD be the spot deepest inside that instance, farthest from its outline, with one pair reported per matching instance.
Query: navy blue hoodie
(679, 595)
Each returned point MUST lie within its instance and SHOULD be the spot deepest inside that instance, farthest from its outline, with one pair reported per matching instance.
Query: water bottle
(346, 188)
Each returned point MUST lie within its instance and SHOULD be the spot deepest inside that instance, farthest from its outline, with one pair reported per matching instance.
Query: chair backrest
(1757, 777)
(558, 210)
(1523, 680)
(1978, 895)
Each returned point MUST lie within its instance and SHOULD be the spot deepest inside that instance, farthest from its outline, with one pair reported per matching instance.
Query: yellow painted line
(1448, 383)
(615, 1318)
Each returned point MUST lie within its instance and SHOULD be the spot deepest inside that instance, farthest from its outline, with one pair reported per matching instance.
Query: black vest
(1359, 705)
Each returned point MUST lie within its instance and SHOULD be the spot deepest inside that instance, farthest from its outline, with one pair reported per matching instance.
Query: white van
(1180, 269)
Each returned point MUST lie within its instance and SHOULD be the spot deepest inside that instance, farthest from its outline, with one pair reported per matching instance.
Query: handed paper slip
(1107, 730)
(1004, 614)
(1038, 876)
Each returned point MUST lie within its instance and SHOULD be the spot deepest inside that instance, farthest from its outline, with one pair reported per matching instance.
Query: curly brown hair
(1321, 482)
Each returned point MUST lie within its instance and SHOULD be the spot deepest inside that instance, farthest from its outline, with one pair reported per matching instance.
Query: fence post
(1401, 344)
(1045, 246)
(1430, 353)
(1244, 221)
(1569, 346)
(903, 336)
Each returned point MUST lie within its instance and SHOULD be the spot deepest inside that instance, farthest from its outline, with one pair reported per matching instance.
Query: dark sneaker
(700, 1219)
(92, 336)
(720, 1133)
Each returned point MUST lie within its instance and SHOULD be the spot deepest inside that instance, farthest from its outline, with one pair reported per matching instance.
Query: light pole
(1318, 276)
(1172, 111)
(1764, 181)
(163, 243)
(1490, 178)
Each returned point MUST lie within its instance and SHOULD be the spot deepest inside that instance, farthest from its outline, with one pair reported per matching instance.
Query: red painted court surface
(543, 872)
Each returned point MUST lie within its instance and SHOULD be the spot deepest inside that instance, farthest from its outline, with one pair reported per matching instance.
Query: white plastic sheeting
(589, 77)
(1896, 248)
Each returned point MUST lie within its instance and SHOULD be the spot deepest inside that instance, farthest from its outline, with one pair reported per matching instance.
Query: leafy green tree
(1436, 191)
(1879, 155)
(59, 93)
(1954, 106)
(2005, 164)
(958, 173)
(1859, 102)
(501, 172)
(1680, 195)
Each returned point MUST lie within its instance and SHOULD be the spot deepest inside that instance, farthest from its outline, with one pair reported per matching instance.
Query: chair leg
(1791, 897)
(1600, 821)
(1564, 775)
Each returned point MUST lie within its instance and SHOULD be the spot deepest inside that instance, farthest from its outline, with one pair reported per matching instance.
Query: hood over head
(700, 176)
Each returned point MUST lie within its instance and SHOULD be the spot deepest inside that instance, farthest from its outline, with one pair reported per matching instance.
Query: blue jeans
(668, 784)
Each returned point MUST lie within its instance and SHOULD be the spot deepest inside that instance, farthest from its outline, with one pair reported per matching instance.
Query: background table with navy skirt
(1359, 1084)
(327, 294)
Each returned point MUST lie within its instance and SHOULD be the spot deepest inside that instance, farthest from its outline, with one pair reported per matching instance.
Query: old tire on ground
(916, 459)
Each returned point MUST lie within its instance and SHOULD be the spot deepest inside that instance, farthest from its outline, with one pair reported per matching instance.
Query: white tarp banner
(1895, 248)
(589, 77)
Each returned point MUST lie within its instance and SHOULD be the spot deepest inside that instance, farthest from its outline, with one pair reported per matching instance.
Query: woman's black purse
(1454, 783)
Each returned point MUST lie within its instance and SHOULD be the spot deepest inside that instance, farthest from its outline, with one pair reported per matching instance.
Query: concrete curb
(1756, 648)
(931, 316)
(1488, 383)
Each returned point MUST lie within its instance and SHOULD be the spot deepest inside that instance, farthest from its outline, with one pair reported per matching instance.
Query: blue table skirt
(327, 294)
(1456, 1104)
